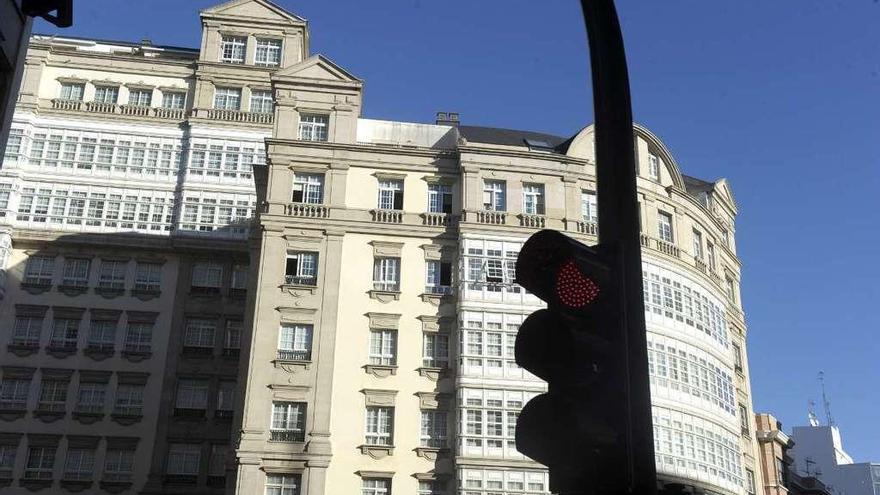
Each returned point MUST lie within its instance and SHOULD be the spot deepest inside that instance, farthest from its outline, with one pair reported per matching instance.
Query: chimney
(447, 118)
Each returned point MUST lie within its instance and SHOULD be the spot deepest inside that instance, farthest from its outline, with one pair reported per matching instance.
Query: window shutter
(398, 200)
(487, 200)
(445, 274)
(447, 203)
(291, 266)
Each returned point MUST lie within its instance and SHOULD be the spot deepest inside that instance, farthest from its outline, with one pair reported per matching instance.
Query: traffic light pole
(619, 224)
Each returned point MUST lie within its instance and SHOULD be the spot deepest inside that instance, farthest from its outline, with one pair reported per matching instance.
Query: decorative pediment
(317, 67)
(256, 9)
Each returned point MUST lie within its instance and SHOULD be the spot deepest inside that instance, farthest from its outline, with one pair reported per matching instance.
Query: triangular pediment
(722, 188)
(317, 67)
(254, 9)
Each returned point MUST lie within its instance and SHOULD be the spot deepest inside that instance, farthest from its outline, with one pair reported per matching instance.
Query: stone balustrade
(387, 216)
(307, 210)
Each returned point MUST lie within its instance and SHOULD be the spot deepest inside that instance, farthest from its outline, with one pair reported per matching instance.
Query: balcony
(287, 436)
(238, 116)
(667, 248)
(294, 355)
(308, 280)
(188, 413)
(194, 351)
(532, 221)
(116, 109)
(440, 290)
(433, 219)
(59, 104)
(305, 210)
(589, 228)
(491, 217)
(135, 110)
(387, 216)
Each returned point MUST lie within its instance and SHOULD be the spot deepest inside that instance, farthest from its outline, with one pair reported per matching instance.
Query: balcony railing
(116, 109)
(89, 408)
(128, 410)
(310, 280)
(294, 355)
(433, 219)
(387, 216)
(100, 107)
(591, 228)
(667, 248)
(240, 116)
(442, 290)
(59, 104)
(287, 436)
(307, 210)
(135, 110)
(532, 221)
(491, 217)
(700, 264)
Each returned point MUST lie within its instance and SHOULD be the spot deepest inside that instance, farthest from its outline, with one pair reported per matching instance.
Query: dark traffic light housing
(579, 427)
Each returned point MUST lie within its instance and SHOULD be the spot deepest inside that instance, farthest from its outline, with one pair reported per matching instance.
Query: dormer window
(268, 52)
(232, 49)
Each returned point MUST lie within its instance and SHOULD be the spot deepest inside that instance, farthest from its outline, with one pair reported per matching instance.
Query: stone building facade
(359, 339)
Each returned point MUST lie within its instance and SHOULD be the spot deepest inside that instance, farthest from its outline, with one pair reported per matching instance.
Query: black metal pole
(619, 225)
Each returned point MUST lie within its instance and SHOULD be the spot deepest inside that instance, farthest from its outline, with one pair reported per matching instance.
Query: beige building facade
(773, 445)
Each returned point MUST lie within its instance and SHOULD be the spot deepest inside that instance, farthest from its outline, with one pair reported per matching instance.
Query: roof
(133, 44)
(506, 137)
(696, 186)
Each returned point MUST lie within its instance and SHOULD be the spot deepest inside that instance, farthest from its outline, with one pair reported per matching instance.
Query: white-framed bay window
(435, 350)
(227, 98)
(487, 345)
(490, 266)
(386, 274)
(301, 268)
(434, 428)
(491, 481)
(295, 342)
(308, 188)
(383, 347)
(379, 426)
(487, 420)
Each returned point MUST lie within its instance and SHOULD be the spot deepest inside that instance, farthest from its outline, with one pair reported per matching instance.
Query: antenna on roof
(825, 402)
(811, 414)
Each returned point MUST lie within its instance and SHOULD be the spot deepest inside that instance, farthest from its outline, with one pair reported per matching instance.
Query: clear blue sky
(781, 97)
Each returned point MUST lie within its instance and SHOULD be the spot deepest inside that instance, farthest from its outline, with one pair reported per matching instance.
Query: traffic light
(579, 428)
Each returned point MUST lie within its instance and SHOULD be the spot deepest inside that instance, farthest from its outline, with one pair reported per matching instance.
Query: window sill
(297, 290)
(377, 451)
(145, 295)
(32, 288)
(115, 486)
(12, 414)
(23, 350)
(431, 453)
(60, 352)
(48, 416)
(126, 419)
(87, 418)
(292, 365)
(181, 479)
(381, 370)
(73, 290)
(385, 296)
(198, 352)
(204, 292)
(35, 484)
(75, 485)
(136, 356)
(99, 353)
(189, 414)
(433, 374)
(109, 292)
(436, 299)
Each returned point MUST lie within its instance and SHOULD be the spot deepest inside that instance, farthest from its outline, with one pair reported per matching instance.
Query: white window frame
(27, 331)
(72, 91)
(232, 49)
(200, 333)
(76, 272)
(148, 277)
(40, 462)
(390, 194)
(589, 206)
(314, 127)
(140, 97)
(283, 484)
(112, 274)
(227, 98)
(91, 397)
(174, 100)
(295, 342)
(268, 52)
(434, 271)
(379, 426)
(439, 198)
(305, 268)
(261, 101)
(310, 188)
(207, 277)
(65, 333)
(53, 395)
(289, 420)
(138, 337)
(129, 400)
(191, 394)
(79, 464)
(183, 459)
(665, 229)
(698, 244)
(106, 94)
(533, 199)
(383, 347)
(434, 428)
(386, 274)
(118, 464)
(494, 195)
(653, 166)
(435, 350)
(39, 270)
(14, 393)
(376, 486)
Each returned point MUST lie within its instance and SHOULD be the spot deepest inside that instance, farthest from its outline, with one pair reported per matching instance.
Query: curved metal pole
(619, 225)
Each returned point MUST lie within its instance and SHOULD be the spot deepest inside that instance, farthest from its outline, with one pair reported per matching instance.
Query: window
(80, 464)
(653, 166)
(533, 199)
(494, 193)
(148, 277)
(76, 272)
(239, 277)
(140, 97)
(112, 274)
(232, 49)
(39, 270)
(91, 397)
(268, 52)
(183, 459)
(698, 244)
(288, 422)
(118, 464)
(780, 472)
(380, 426)
(376, 486)
(710, 255)
(227, 98)
(14, 393)
(232, 339)
(72, 91)
(439, 198)
(5, 188)
(283, 484)
(589, 206)
(308, 188)
(488, 422)
(386, 274)
(689, 370)
(7, 460)
(750, 482)
(129, 400)
(65, 333)
(731, 289)
(217, 461)
(40, 462)
(192, 394)
(433, 429)
(438, 277)
(106, 94)
(138, 337)
(199, 335)
(207, 278)
(491, 269)
(390, 194)
(27, 331)
(313, 127)
(429, 487)
(261, 101)
(737, 357)
(383, 347)
(173, 100)
(744, 419)
(301, 269)
(226, 393)
(435, 351)
(664, 226)
(53, 396)
(295, 342)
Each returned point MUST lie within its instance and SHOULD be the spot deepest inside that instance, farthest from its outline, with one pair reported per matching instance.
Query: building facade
(360, 338)
(818, 452)
(773, 445)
